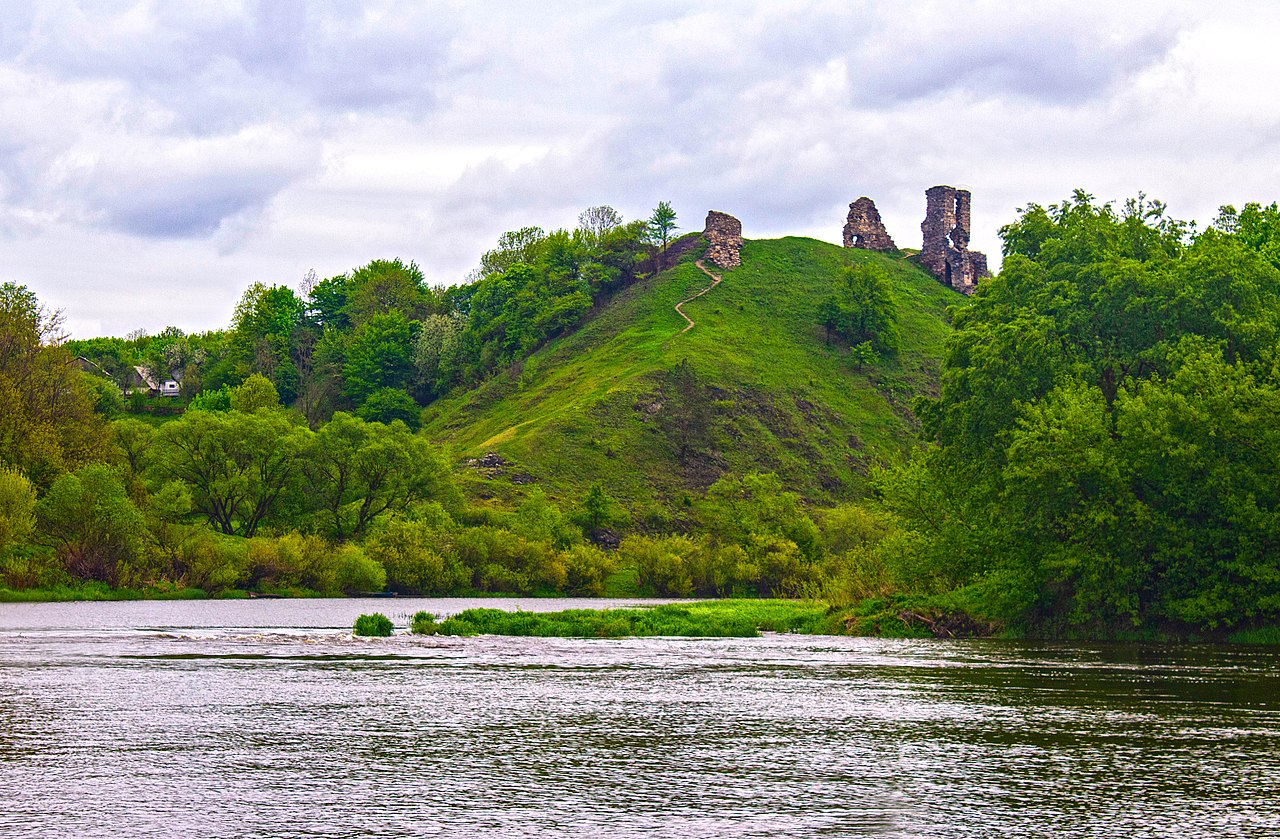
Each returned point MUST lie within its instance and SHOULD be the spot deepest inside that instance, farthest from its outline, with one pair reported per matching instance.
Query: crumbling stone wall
(946, 252)
(864, 229)
(723, 233)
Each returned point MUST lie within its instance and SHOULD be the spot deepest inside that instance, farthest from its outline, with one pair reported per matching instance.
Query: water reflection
(218, 720)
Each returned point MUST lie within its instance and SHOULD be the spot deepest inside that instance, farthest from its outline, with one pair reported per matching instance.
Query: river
(266, 718)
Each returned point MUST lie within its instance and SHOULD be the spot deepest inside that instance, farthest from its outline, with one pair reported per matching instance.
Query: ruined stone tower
(864, 229)
(723, 233)
(946, 252)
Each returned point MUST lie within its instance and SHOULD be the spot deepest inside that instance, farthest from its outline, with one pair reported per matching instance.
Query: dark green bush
(377, 624)
(424, 623)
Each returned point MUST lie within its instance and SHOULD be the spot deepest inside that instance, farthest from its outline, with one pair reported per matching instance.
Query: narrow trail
(715, 281)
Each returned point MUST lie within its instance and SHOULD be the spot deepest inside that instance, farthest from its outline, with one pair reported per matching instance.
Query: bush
(211, 561)
(504, 561)
(424, 623)
(662, 563)
(415, 560)
(297, 561)
(586, 568)
(376, 625)
(389, 404)
(17, 508)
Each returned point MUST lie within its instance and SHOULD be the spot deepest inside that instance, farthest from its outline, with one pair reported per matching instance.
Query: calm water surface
(266, 718)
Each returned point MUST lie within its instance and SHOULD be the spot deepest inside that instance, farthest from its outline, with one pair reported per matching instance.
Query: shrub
(424, 623)
(501, 560)
(415, 560)
(662, 562)
(294, 560)
(375, 625)
(586, 568)
(17, 508)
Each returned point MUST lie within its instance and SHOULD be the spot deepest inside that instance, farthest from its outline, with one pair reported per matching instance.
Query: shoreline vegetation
(1084, 448)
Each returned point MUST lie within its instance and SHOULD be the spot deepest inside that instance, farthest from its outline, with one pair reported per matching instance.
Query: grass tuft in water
(377, 625)
(423, 623)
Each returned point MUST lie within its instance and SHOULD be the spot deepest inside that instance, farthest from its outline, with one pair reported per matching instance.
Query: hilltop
(613, 401)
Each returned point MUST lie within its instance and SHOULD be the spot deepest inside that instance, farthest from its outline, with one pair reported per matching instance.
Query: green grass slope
(588, 407)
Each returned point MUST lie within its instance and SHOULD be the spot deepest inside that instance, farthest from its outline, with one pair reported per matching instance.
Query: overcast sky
(158, 157)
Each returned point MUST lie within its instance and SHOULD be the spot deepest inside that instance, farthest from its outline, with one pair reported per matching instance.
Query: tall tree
(356, 471)
(236, 465)
(47, 421)
(597, 221)
(662, 224)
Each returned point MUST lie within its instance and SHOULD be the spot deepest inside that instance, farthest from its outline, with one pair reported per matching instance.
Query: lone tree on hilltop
(661, 225)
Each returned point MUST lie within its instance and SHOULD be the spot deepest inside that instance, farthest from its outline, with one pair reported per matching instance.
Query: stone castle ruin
(723, 233)
(864, 229)
(945, 253)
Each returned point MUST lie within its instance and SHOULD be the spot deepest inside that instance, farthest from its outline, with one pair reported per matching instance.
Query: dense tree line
(1104, 455)
(379, 342)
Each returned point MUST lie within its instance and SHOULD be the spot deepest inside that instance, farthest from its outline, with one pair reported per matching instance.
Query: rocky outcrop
(723, 233)
(864, 229)
(946, 252)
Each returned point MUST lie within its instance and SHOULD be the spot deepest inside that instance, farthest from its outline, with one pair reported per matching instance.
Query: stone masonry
(724, 240)
(864, 229)
(946, 252)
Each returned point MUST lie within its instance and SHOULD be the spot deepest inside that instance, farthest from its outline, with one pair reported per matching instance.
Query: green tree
(862, 309)
(662, 223)
(686, 410)
(379, 355)
(47, 422)
(356, 471)
(385, 286)
(1100, 455)
(389, 404)
(17, 508)
(92, 524)
(235, 465)
(263, 335)
(599, 509)
(254, 394)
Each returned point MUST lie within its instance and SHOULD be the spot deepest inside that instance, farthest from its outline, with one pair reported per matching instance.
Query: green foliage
(253, 394)
(389, 404)
(423, 623)
(417, 557)
(662, 224)
(104, 395)
(236, 465)
(48, 424)
(93, 526)
(376, 625)
(356, 471)
(586, 569)
(212, 400)
(17, 509)
(296, 561)
(261, 339)
(862, 310)
(598, 510)
(723, 619)
(1105, 459)
(686, 415)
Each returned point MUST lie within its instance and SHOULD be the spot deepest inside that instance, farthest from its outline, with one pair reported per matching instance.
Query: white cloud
(158, 157)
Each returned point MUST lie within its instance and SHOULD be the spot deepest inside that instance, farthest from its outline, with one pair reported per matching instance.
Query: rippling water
(266, 718)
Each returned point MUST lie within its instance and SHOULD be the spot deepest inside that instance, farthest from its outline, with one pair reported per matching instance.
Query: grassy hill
(597, 405)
